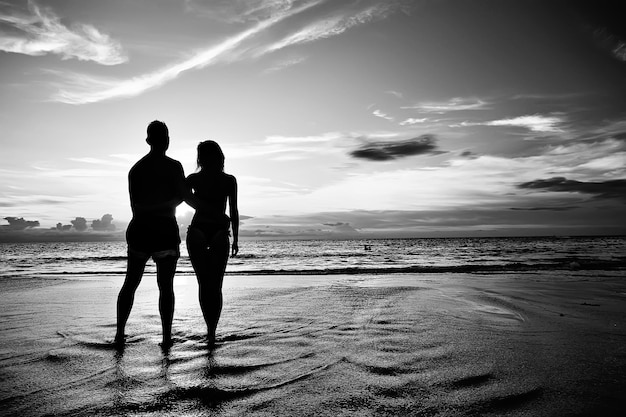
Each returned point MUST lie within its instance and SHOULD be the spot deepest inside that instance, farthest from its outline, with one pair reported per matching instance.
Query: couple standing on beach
(157, 185)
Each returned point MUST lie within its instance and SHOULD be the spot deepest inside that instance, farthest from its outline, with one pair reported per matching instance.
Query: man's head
(158, 136)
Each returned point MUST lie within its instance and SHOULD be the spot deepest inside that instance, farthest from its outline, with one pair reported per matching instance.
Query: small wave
(419, 269)
(465, 268)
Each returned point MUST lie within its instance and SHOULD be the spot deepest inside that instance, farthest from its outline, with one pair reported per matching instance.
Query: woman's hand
(234, 249)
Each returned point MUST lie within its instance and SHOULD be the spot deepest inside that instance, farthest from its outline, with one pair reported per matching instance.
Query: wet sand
(547, 344)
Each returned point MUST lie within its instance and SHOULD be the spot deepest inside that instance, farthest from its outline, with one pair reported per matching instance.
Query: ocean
(419, 327)
(355, 256)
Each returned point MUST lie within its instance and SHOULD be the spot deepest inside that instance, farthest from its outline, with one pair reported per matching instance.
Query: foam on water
(339, 257)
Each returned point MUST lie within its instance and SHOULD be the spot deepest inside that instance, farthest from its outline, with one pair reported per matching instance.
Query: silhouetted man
(156, 186)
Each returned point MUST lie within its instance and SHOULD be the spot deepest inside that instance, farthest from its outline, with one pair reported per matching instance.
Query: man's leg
(134, 272)
(166, 268)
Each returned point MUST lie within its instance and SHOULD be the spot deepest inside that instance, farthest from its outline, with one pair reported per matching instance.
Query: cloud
(475, 179)
(90, 160)
(103, 224)
(564, 208)
(396, 94)
(382, 115)
(341, 227)
(335, 25)
(18, 223)
(15, 200)
(79, 223)
(454, 104)
(477, 220)
(81, 88)
(39, 32)
(286, 63)
(468, 154)
(325, 137)
(535, 123)
(78, 88)
(412, 121)
(614, 189)
(63, 227)
(603, 19)
(385, 151)
(238, 11)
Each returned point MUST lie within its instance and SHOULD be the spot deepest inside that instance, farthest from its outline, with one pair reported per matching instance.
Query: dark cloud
(63, 227)
(18, 223)
(620, 136)
(385, 151)
(341, 227)
(592, 218)
(605, 20)
(545, 208)
(79, 224)
(104, 224)
(603, 189)
(468, 155)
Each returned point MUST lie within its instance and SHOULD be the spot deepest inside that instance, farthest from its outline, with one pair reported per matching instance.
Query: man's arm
(186, 195)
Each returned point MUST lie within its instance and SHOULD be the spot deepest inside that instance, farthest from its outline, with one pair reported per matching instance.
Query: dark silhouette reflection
(208, 234)
(156, 186)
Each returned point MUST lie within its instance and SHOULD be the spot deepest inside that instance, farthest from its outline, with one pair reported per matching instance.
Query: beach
(520, 344)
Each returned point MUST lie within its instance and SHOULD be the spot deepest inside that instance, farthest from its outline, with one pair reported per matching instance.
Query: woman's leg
(212, 289)
(197, 247)
(208, 259)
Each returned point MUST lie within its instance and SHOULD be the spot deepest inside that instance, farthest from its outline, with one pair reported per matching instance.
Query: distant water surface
(338, 256)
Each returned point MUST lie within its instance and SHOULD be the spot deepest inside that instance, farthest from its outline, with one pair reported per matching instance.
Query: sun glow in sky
(338, 118)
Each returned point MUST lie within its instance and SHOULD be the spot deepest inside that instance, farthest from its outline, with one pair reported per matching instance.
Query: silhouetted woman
(207, 236)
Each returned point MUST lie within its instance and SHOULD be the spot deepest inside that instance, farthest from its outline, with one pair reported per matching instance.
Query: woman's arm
(234, 217)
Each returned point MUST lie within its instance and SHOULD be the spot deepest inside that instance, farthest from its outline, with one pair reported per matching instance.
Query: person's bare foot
(166, 343)
(210, 339)
(119, 341)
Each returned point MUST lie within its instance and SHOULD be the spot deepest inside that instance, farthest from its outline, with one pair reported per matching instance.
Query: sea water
(324, 328)
(353, 256)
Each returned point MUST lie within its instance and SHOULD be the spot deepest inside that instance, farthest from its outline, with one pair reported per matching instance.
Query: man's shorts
(157, 237)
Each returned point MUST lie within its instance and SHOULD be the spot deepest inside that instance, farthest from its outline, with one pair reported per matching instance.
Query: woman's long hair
(210, 157)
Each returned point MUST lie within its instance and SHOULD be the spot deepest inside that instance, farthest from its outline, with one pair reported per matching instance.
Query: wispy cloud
(325, 137)
(454, 104)
(82, 86)
(285, 63)
(38, 31)
(238, 11)
(413, 121)
(333, 25)
(535, 123)
(89, 160)
(287, 148)
(396, 94)
(382, 115)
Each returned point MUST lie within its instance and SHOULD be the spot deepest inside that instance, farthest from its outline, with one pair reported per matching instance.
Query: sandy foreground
(546, 344)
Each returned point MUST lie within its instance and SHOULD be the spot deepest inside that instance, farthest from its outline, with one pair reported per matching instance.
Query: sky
(338, 118)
